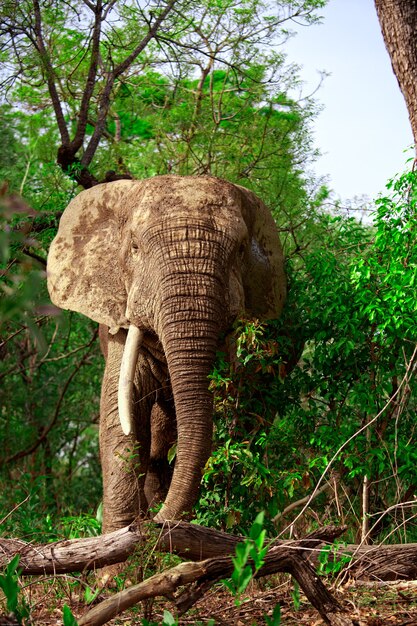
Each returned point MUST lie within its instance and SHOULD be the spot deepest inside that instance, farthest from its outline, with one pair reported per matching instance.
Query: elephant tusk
(127, 373)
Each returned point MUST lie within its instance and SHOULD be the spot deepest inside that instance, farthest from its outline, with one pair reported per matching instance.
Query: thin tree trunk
(365, 511)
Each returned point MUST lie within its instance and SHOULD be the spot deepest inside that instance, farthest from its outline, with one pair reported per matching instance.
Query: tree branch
(307, 499)
(185, 539)
(47, 429)
(77, 142)
(205, 573)
(50, 75)
(104, 104)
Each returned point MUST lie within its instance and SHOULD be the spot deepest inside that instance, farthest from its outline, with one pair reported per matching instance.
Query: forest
(306, 512)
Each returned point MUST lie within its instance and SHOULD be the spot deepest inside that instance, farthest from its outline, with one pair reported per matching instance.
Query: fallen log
(381, 562)
(202, 575)
(185, 539)
(192, 542)
(210, 548)
(196, 543)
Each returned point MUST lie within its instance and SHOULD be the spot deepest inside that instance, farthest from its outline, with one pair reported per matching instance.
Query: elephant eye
(135, 246)
(242, 249)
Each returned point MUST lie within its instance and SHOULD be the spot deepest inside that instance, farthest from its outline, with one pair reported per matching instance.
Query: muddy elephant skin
(176, 260)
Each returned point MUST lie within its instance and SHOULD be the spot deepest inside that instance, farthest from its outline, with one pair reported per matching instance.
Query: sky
(363, 131)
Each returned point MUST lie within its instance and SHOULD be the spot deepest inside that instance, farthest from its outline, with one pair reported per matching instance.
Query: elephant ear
(83, 262)
(264, 280)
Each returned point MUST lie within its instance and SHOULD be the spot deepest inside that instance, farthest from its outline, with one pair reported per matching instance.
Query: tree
(398, 20)
(86, 51)
(240, 128)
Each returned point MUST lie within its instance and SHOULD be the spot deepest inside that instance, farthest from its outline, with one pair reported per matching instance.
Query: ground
(393, 604)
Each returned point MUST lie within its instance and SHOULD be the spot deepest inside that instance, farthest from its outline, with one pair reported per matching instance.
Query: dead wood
(72, 555)
(202, 575)
(210, 548)
(192, 542)
(382, 562)
(195, 543)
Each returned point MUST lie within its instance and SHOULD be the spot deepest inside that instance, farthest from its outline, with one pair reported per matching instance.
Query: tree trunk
(398, 20)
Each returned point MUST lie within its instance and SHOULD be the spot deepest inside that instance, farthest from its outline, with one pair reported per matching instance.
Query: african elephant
(164, 265)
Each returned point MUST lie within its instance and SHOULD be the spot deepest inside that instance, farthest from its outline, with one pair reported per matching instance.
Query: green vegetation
(215, 113)
(349, 404)
(192, 104)
(248, 560)
(9, 584)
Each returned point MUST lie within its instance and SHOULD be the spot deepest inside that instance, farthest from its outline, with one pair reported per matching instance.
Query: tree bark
(398, 20)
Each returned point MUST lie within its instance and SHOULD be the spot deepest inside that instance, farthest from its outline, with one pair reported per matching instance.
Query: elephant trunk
(190, 327)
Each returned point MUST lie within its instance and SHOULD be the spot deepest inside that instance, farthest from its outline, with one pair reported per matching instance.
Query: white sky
(363, 130)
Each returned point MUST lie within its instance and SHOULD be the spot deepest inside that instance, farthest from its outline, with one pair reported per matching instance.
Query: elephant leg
(124, 459)
(163, 437)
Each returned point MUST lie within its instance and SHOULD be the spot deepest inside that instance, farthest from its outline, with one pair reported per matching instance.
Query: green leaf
(68, 617)
(172, 453)
(90, 594)
(242, 551)
(245, 578)
(257, 526)
(275, 619)
(169, 619)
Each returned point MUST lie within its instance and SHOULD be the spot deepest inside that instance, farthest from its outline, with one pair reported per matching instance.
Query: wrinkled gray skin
(179, 258)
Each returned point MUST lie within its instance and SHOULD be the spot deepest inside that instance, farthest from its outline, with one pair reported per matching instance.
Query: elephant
(164, 265)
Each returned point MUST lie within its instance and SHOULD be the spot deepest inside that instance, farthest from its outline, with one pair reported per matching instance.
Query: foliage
(82, 525)
(275, 619)
(99, 47)
(22, 277)
(256, 131)
(249, 390)
(49, 436)
(68, 617)
(251, 548)
(9, 584)
(332, 560)
(350, 401)
(50, 371)
(212, 108)
(296, 596)
(248, 560)
(362, 359)
(196, 88)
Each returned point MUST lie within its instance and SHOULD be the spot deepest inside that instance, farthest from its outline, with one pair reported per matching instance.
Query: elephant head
(176, 258)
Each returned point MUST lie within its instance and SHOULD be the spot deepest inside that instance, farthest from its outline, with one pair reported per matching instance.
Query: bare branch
(50, 75)
(45, 432)
(77, 142)
(104, 105)
(189, 539)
